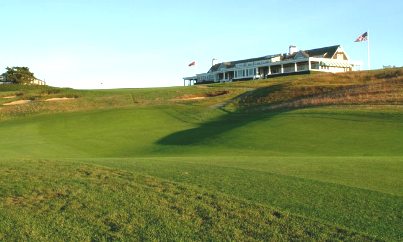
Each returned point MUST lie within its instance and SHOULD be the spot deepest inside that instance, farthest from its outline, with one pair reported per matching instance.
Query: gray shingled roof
(326, 52)
(231, 64)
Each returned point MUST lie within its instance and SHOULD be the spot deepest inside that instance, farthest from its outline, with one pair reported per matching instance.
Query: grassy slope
(50, 200)
(343, 199)
(338, 165)
(157, 131)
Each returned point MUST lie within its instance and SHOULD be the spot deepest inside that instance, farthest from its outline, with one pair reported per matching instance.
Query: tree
(18, 75)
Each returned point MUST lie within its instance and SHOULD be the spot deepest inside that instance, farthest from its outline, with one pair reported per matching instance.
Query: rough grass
(46, 200)
(305, 186)
(381, 87)
(87, 100)
(374, 88)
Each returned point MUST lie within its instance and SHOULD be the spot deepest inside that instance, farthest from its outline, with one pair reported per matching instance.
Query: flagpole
(369, 54)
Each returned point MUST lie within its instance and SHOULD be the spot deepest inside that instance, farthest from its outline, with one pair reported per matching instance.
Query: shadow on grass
(231, 120)
(214, 128)
(225, 123)
(255, 105)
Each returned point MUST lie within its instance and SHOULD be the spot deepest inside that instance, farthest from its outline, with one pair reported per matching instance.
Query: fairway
(162, 131)
(135, 164)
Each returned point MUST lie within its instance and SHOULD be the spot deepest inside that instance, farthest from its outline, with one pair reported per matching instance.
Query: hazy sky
(122, 43)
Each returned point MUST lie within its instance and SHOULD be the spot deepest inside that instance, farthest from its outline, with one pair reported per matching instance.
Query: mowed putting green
(197, 171)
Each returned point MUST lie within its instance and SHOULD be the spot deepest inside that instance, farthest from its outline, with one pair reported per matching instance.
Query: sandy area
(202, 86)
(193, 98)
(190, 98)
(59, 99)
(17, 102)
(9, 97)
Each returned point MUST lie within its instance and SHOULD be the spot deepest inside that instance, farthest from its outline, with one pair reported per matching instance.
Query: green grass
(355, 203)
(166, 131)
(145, 164)
(72, 201)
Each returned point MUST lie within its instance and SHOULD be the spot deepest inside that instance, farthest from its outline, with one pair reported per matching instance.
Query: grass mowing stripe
(375, 213)
(62, 200)
(382, 174)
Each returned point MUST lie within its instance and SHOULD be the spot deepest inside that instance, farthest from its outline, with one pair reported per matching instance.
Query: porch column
(269, 70)
(282, 68)
(309, 65)
(295, 67)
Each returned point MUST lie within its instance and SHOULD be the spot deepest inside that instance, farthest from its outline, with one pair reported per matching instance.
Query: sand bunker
(59, 99)
(19, 102)
(202, 96)
(9, 97)
(190, 98)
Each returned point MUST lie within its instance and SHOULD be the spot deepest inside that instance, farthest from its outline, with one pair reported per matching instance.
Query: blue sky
(122, 43)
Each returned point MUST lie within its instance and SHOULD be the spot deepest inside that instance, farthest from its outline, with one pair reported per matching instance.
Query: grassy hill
(312, 157)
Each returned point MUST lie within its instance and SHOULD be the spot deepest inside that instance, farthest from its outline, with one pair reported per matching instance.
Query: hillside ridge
(379, 87)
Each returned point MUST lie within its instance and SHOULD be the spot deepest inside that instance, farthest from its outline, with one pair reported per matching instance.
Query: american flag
(363, 37)
(192, 63)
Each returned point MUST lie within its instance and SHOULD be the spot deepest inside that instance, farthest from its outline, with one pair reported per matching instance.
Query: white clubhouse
(327, 59)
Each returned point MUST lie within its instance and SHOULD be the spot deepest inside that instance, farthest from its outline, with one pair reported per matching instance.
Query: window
(239, 73)
(251, 72)
(340, 56)
(302, 66)
(289, 68)
(315, 65)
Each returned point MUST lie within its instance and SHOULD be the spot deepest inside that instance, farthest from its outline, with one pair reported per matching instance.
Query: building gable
(340, 54)
(301, 55)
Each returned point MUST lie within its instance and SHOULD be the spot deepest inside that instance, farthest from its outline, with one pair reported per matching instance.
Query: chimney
(292, 49)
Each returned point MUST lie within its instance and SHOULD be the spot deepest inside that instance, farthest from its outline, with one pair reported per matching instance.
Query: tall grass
(379, 87)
